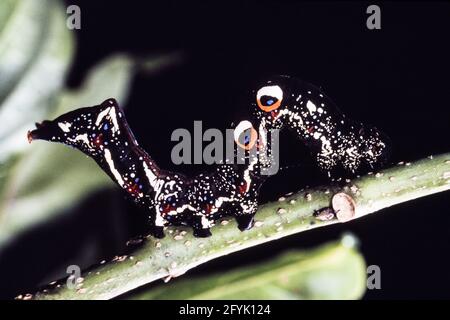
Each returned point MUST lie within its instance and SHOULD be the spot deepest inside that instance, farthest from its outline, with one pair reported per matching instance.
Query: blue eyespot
(105, 126)
(247, 139)
(270, 102)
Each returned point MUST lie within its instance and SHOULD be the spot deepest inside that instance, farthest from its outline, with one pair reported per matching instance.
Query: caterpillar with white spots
(102, 133)
(335, 141)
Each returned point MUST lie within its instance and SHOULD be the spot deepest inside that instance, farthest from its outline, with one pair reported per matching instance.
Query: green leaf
(23, 25)
(50, 178)
(333, 271)
(36, 49)
(6, 9)
(110, 78)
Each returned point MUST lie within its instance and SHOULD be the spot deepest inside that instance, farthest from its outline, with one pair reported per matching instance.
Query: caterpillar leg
(202, 233)
(157, 226)
(157, 231)
(245, 222)
(201, 225)
(245, 219)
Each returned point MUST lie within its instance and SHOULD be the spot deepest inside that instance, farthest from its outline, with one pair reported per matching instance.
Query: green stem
(180, 251)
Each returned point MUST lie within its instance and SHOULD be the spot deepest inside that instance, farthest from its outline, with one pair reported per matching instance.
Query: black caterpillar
(334, 140)
(102, 133)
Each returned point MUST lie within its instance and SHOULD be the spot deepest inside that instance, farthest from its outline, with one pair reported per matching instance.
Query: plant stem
(180, 251)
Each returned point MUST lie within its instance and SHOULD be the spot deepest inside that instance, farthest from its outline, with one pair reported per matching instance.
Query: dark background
(396, 78)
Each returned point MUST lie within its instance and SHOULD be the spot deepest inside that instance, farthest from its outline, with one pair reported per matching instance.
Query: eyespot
(245, 135)
(269, 98)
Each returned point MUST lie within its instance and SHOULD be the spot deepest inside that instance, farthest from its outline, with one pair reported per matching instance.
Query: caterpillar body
(103, 133)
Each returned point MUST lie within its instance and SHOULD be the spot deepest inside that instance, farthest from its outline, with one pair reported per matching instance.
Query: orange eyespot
(245, 135)
(269, 98)
(268, 103)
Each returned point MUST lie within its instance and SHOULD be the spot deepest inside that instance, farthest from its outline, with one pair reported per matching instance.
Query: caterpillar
(335, 141)
(103, 133)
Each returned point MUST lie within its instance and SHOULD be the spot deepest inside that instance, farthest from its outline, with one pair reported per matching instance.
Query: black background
(396, 78)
